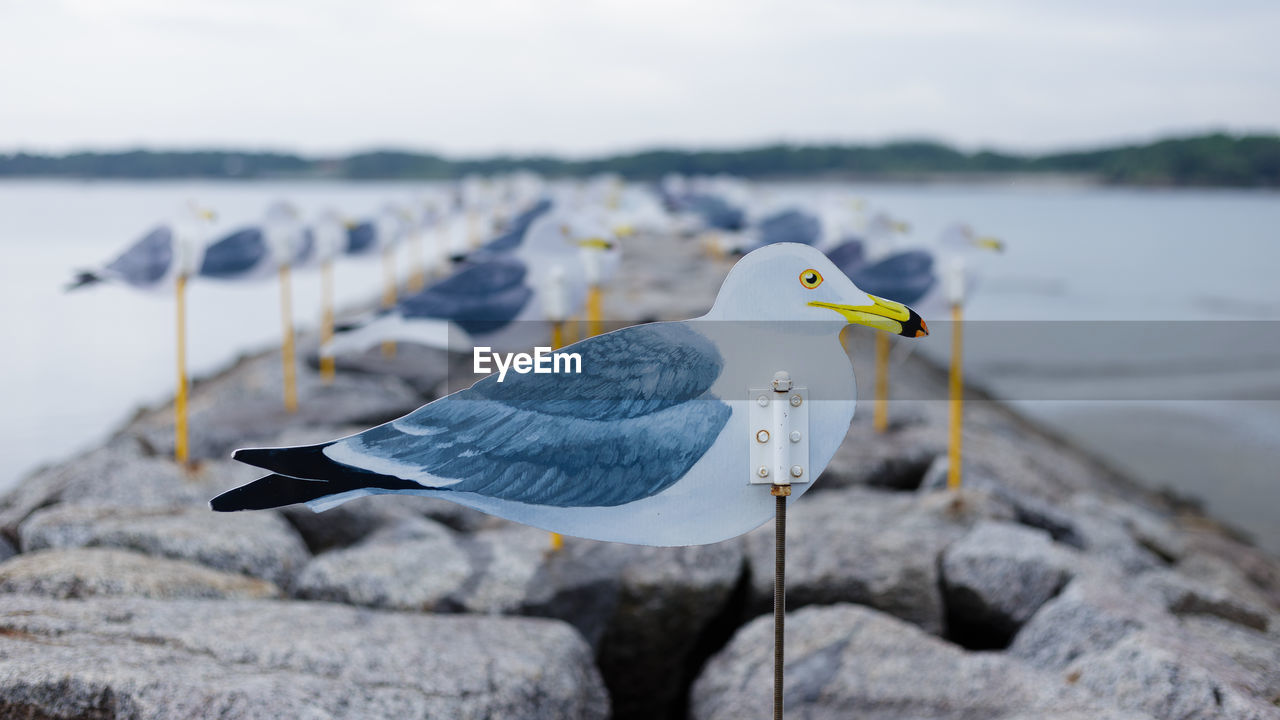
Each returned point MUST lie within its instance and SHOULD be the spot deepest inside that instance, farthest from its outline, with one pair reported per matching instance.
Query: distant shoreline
(1211, 160)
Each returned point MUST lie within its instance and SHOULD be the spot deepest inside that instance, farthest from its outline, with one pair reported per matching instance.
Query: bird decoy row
(513, 263)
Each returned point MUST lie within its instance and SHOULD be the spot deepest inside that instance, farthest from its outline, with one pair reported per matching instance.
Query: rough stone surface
(643, 609)
(95, 572)
(999, 574)
(7, 550)
(260, 544)
(243, 406)
(122, 473)
(845, 661)
(414, 565)
(1104, 635)
(357, 519)
(108, 658)
(870, 547)
(1182, 595)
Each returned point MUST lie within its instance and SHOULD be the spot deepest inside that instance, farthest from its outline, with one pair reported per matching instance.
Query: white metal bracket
(778, 419)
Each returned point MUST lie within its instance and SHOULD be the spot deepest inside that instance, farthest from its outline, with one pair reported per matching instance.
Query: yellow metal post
(327, 368)
(286, 348)
(595, 310)
(417, 271)
(957, 399)
(557, 342)
(880, 418)
(181, 452)
(389, 294)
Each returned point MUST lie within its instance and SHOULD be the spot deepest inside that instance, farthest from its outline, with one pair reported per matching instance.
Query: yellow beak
(901, 227)
(595, 243)
(887, 315)
(207, 214)
(990, 243)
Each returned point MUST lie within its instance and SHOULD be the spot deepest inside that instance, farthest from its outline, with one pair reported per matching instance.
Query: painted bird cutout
(648, 444)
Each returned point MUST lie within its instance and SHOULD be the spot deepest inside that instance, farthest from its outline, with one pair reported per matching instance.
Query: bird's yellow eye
(811, 278)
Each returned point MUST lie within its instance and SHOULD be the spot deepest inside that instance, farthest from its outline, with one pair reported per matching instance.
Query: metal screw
(762, 436)
(781, 381)
(795, 436)
(796, 400)
(796, 471)
(763, 400)
(763, 471)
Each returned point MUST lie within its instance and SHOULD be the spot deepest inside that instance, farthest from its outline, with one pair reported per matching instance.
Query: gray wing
(629, 426)
(235, 254)
(147, 261)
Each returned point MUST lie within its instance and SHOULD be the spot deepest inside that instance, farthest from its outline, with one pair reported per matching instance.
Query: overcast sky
(479, 76)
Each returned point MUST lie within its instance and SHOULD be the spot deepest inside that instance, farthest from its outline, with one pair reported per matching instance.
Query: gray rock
(869, 547)
(897, 460)
(414, 565)
(1142, 673)
(244, 406)
(119, 473)
(357, 519)
(1107, 636)
(999, 574)
(95, 572)
(649, 608)
(1182, 595)
(1257, 654)
(260, 544)
(1104, 529)
(7, 550)
(642, 609)
(847, 661)
(269, 659)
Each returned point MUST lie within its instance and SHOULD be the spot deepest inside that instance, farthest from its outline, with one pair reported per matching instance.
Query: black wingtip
(272, 491)
(310, 462)
(83, 278)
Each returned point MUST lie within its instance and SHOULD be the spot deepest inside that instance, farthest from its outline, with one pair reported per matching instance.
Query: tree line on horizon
(1216, 159)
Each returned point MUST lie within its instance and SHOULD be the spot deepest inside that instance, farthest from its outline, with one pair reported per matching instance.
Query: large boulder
(121, 472)
(870, 547)
(357, 519)
(1104, 634)
(846, 661)
(644, 610)
(269, 659)
(260, 544)
(416, 564)
(245, 406)
(101, 572)
(997, 576)
(1182, 595)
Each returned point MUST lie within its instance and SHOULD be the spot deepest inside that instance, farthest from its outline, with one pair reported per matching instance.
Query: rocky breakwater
(1046, 587)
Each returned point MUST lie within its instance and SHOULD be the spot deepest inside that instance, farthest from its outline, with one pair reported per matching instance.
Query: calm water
(1071, 318)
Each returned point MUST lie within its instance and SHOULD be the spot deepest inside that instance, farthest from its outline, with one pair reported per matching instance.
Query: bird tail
(302, 474)
(82, 279)
(272, 491)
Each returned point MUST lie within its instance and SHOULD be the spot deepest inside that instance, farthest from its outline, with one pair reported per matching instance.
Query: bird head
(961, 237)
(790, 282)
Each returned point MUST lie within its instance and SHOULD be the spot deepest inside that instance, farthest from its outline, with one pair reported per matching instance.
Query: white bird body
(154, 262)
(648, 445)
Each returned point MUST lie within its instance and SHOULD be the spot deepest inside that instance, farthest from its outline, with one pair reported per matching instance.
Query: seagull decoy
(155, 262)
(162, 259)
(647, 444)
(326, 239)
(957, 244)
(499, 300)
(256, 252)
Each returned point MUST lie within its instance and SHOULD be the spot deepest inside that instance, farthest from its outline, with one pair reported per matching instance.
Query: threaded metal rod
(779, 596)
